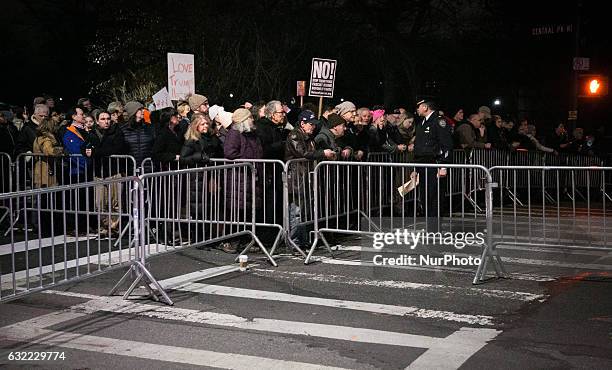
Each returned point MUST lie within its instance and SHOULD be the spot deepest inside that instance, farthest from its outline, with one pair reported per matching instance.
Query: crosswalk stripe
(457, 348)
(149, 351)
(116, 257)
(336, 303)
(452, 350)
(493, 293)
(34, 244)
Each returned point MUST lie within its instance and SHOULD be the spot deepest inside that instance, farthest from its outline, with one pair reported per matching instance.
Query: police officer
(433, 144)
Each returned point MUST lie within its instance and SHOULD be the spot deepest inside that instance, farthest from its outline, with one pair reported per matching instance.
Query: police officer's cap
(427, 101)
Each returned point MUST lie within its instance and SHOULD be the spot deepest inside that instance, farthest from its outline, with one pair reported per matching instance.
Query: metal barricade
(270, 180)
(200, 206)
(342, 208)
(6, 169)
(6, 184)
(47, 253)
(299, 193)
(553, 215)
(35, 170)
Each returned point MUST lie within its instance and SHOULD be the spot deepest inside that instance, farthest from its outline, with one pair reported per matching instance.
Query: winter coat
(139, 138)
(327, 140)
(380, 140)
(166, 147)
(105, 143)
(74, 140)
(198, 152)
(468, 137)
(244, 145)
(8, 139)
(46, 169)
(26, 138)
(272, 137)
(300, 145)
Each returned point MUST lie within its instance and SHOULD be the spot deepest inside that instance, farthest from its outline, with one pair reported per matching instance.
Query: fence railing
(170, 207)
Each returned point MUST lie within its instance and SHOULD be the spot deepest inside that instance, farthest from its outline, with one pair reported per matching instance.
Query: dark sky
(45, 46)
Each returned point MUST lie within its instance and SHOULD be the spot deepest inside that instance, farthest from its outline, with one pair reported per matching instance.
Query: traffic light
(592, 86)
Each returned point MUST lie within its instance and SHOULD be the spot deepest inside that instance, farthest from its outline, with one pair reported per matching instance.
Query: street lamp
(497, 102)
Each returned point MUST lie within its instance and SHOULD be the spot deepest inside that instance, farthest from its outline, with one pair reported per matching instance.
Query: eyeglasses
(283, 112)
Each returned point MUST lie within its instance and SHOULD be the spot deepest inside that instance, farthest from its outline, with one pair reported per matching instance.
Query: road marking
(455, 349)
(116, 257)
(340, 279)
(336, 303)
(200, 275)
(574, 265)
(119, 305)
(450, 351)
(34, 244)
(149, 351)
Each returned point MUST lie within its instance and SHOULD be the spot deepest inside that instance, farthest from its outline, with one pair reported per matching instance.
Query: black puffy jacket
(139, 137)
(106, 143)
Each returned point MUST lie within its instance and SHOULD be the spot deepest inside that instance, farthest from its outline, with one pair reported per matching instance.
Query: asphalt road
(554, 311)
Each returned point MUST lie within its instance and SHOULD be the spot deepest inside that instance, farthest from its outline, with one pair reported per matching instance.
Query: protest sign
(161, 99)
(181, 75)
(322, 77)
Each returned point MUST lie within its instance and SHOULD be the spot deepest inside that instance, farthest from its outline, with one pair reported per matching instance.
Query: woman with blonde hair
(200, 145)
(200, 142)
(45, 171)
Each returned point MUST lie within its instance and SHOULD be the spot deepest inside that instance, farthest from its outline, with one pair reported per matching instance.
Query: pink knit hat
(377, 114)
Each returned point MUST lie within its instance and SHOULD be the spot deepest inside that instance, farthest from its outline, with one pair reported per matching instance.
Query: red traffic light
(592, 86)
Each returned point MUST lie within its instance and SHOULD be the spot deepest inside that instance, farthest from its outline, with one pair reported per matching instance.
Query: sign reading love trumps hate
(322, 77)
(181, 75)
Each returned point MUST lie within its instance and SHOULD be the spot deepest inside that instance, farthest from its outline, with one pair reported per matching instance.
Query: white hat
(214, 111)
(225, 118)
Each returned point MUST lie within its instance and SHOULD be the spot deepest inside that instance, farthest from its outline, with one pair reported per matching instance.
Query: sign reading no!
(322, 77)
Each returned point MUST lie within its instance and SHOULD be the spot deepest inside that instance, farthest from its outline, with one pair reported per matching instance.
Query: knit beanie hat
(214, 110)
(485, 110)
(196, 100)
(225, 118)
(334, 120)
(132, 107)
(344, 107)
(241, 115)
(377, 114)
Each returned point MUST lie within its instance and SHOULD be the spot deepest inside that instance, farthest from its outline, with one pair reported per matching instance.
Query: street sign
(322, 77)
(581, 64)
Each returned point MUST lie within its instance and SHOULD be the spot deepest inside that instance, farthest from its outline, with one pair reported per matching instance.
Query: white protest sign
(162, 99)
(322, 77)
(181, 75)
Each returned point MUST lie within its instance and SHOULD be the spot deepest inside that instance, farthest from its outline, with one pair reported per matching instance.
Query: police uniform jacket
(434, 141)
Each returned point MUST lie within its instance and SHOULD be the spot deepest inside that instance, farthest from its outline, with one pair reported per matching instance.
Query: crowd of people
(343, 131)
(193, 132)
